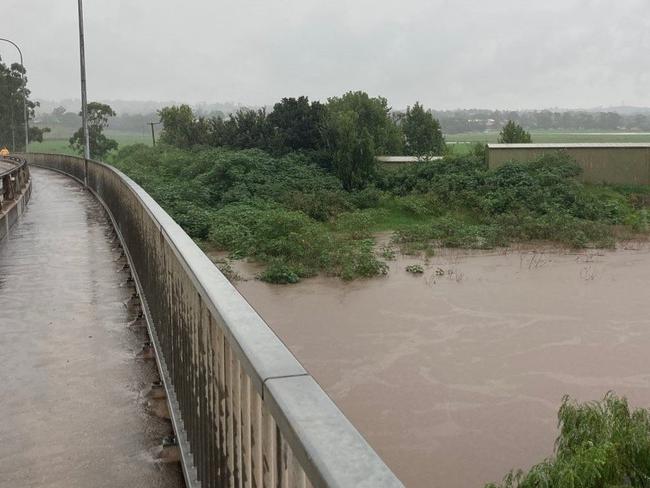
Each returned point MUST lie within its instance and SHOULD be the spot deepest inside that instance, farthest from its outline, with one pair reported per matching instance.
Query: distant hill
(132, 107)
(623, 110)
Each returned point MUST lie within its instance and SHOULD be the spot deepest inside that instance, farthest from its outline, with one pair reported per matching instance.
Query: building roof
(569, 145)
(404, 159)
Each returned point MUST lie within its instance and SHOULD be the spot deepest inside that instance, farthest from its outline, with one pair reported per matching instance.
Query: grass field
(60, 145)
(463, 142)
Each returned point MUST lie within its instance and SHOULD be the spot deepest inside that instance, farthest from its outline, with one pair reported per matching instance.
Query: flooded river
(455, 376)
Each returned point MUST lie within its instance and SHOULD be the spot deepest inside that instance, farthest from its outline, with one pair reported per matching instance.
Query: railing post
(6, 186)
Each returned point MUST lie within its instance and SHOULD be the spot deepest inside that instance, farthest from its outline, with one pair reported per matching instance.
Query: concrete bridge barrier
(15, 190)
(245, 411)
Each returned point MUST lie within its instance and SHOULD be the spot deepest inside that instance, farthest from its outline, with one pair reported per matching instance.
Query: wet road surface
(455, 376)
(73, 411)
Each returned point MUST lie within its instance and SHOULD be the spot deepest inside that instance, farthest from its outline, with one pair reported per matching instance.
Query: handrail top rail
(16, 161)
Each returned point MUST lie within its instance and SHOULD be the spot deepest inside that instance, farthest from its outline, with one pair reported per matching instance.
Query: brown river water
(455, 376)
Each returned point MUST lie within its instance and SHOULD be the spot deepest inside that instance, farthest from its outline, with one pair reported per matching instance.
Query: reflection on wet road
(455, 377)
(72, 411)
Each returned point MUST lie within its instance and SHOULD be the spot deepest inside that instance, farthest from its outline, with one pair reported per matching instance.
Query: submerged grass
(294, 217)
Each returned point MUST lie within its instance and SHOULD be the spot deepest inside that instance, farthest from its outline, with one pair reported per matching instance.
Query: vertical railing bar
(246, 429)
(213, 410)
(223, 418)
(230, 438)
(236, 417)
(297, 475)
(257, 434)
(204, 323)
(268, 447)
(286, 464)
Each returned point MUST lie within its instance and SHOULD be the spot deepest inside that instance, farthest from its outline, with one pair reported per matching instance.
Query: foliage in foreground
(297, 219)
(601, 444)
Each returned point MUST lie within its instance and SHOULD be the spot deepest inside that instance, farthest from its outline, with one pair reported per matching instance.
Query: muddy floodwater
(455, 376)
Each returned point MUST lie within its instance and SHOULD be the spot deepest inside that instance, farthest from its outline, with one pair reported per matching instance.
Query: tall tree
(248, 128)
(13, 90)
(297, 124)
(352, 149)
(182, 128)
(422, 132)
(100, 145)
(372, 114)
(513, 133)
(356, 128)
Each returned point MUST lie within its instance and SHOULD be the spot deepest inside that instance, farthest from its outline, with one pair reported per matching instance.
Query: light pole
(84, 100)
(22, 65)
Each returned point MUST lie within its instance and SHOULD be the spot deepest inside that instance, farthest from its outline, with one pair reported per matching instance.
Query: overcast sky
(447, 54)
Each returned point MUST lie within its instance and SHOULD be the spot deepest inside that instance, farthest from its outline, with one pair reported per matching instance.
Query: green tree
(100, 145)
(372, 114)
(513, 133)
(297, 124)
(352, 149)
(247, 129)
(601, 444)
(356, 128)
(13, 89)
(182, 128)
(422, 132)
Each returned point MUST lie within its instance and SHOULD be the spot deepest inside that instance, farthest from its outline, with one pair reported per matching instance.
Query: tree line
(477, 120)
(13, 91)
(345, 134)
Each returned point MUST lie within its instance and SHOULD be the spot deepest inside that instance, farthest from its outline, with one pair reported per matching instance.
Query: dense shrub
(296, 218)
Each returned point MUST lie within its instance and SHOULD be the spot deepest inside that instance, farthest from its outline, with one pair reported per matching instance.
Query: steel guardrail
(247, 414)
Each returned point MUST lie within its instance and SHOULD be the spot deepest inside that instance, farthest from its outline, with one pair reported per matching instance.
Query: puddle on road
(455, 376)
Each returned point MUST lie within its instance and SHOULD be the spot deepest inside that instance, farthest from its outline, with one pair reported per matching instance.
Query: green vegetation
(422, 132)
(513, 133)
(344, 135)
(13, 92)
(415, 269)
(601, 444)
(100, 145)
(297, 218)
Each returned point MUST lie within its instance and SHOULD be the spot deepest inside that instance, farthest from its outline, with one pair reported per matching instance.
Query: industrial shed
(621, 163)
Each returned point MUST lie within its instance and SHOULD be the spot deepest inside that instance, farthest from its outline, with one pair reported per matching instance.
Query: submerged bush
(601, 444)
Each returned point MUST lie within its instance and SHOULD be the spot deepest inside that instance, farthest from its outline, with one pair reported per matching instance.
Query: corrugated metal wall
(602, 163)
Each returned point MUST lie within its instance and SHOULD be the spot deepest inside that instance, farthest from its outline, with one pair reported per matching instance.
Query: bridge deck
(72, 411)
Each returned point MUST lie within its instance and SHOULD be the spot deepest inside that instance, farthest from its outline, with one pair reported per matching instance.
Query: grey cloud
(464, 53)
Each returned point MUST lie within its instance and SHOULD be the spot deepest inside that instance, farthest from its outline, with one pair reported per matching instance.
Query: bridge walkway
(72, 404)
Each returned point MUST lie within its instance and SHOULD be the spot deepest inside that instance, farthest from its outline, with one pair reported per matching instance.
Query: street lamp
(24, 92)
(84, 99)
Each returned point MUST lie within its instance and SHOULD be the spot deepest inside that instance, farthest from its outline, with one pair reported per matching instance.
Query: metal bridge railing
(245, 411)
(14, 191)
(12, 180)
